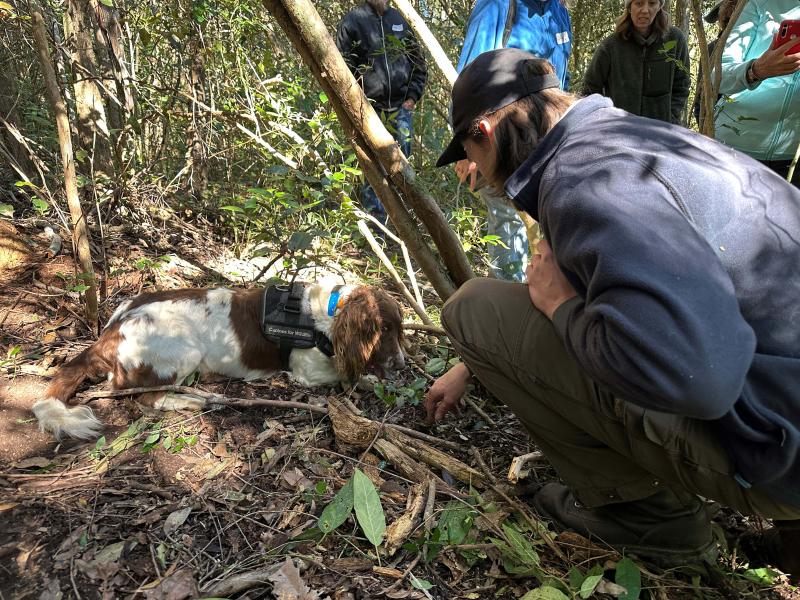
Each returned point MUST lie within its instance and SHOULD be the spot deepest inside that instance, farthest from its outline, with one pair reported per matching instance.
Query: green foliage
(338, 510)
(396, 395)
(545, 593)
(359, 495)
(367, 505)
(628, 576)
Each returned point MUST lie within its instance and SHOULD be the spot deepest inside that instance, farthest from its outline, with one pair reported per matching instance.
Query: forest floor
(226, 502)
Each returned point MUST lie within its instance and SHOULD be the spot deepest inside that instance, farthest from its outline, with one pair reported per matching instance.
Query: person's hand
(773, 63)
(547, 285)
(464, 168)
(409, 104)
(446, 393)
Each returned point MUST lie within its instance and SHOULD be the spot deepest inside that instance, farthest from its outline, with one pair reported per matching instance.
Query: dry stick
(403, 248)
(362, 226)
(80, 236)
(427, 516)
(228, 401)
(516, 504)
(792, 166)
(238, 583)
(480, 411)
(406, 573)
(425, 328)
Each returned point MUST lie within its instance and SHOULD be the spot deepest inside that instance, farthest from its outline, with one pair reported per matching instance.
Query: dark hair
(519, 126)
(625, 29)
(725, 13)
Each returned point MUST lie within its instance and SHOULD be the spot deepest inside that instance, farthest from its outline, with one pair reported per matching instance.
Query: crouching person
(654, 354)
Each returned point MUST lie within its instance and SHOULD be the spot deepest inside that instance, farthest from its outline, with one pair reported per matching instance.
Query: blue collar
(523, 185)
(333, 301)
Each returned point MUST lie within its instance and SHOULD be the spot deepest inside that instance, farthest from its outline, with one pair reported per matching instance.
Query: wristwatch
(751, 74)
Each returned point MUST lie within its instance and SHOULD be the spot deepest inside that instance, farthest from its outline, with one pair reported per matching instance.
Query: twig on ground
(480, 411)
(406, 573)
(213, 398)
(427, 516)
(432, 329)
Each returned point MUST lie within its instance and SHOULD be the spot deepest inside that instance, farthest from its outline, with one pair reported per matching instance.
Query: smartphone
(788, 30)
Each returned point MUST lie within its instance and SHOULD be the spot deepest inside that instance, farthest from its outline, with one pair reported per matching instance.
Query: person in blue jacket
(759, 113)
(543, 28)
(654, 355)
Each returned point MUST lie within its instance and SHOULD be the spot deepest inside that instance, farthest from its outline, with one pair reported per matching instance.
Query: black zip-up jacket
(384, 56)
(685, 256)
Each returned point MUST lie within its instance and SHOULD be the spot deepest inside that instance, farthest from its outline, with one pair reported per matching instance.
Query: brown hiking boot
(664, 529)
(777, 547)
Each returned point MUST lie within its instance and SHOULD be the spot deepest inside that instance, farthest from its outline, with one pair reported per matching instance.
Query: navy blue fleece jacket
(686, 258)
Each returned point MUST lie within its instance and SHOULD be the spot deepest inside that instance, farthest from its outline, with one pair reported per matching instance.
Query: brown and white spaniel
(161, 338)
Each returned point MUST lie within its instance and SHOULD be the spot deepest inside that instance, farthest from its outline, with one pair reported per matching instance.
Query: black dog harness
(284, 323)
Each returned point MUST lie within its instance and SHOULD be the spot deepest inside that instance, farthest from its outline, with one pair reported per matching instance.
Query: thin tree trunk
(710, 65)
(374, 144)
(196, 155)
(680, 16)
(428, 39)
(110, 36)
(80, 236)
(91, 123)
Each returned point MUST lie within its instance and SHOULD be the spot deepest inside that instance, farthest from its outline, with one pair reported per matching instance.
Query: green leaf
(153, 437)
(369, 511)
(545, 593)
(420, 584)
(589, 584)
(6, 210)
(629, 577)
(435, 366)
(761, 576)
(108, 3)
(456, 521)
(338, 510)
(521, 546)
(40, 205)
(98, 445)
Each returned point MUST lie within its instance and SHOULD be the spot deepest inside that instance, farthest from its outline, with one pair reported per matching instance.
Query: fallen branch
(410, 456)
(426, 328)
(240, 582)
(213, 398)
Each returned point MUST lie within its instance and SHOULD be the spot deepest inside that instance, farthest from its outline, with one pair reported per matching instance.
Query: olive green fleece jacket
(647, 77)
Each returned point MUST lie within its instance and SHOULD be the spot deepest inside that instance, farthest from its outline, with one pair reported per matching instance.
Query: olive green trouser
(607, 450)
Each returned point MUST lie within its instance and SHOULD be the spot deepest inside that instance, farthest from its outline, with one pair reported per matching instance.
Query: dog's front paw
(367, 382)
(173, 401)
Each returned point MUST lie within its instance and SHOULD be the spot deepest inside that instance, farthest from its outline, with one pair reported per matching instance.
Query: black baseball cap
(493, 80)
(712, 16)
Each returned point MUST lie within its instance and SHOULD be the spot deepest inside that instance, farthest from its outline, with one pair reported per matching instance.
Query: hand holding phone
(787, 31)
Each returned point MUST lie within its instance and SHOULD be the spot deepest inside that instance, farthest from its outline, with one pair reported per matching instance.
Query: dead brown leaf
(287, 584)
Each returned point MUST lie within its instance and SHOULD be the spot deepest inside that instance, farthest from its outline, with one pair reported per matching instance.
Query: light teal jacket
(762, 120)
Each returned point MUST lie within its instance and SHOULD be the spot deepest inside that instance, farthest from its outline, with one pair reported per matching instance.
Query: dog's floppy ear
(356, 332)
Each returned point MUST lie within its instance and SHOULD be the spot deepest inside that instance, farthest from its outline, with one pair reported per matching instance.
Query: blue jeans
(399, 125)
(505, 263)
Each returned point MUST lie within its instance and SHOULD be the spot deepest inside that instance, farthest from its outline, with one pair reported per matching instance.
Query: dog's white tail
(78, 422)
